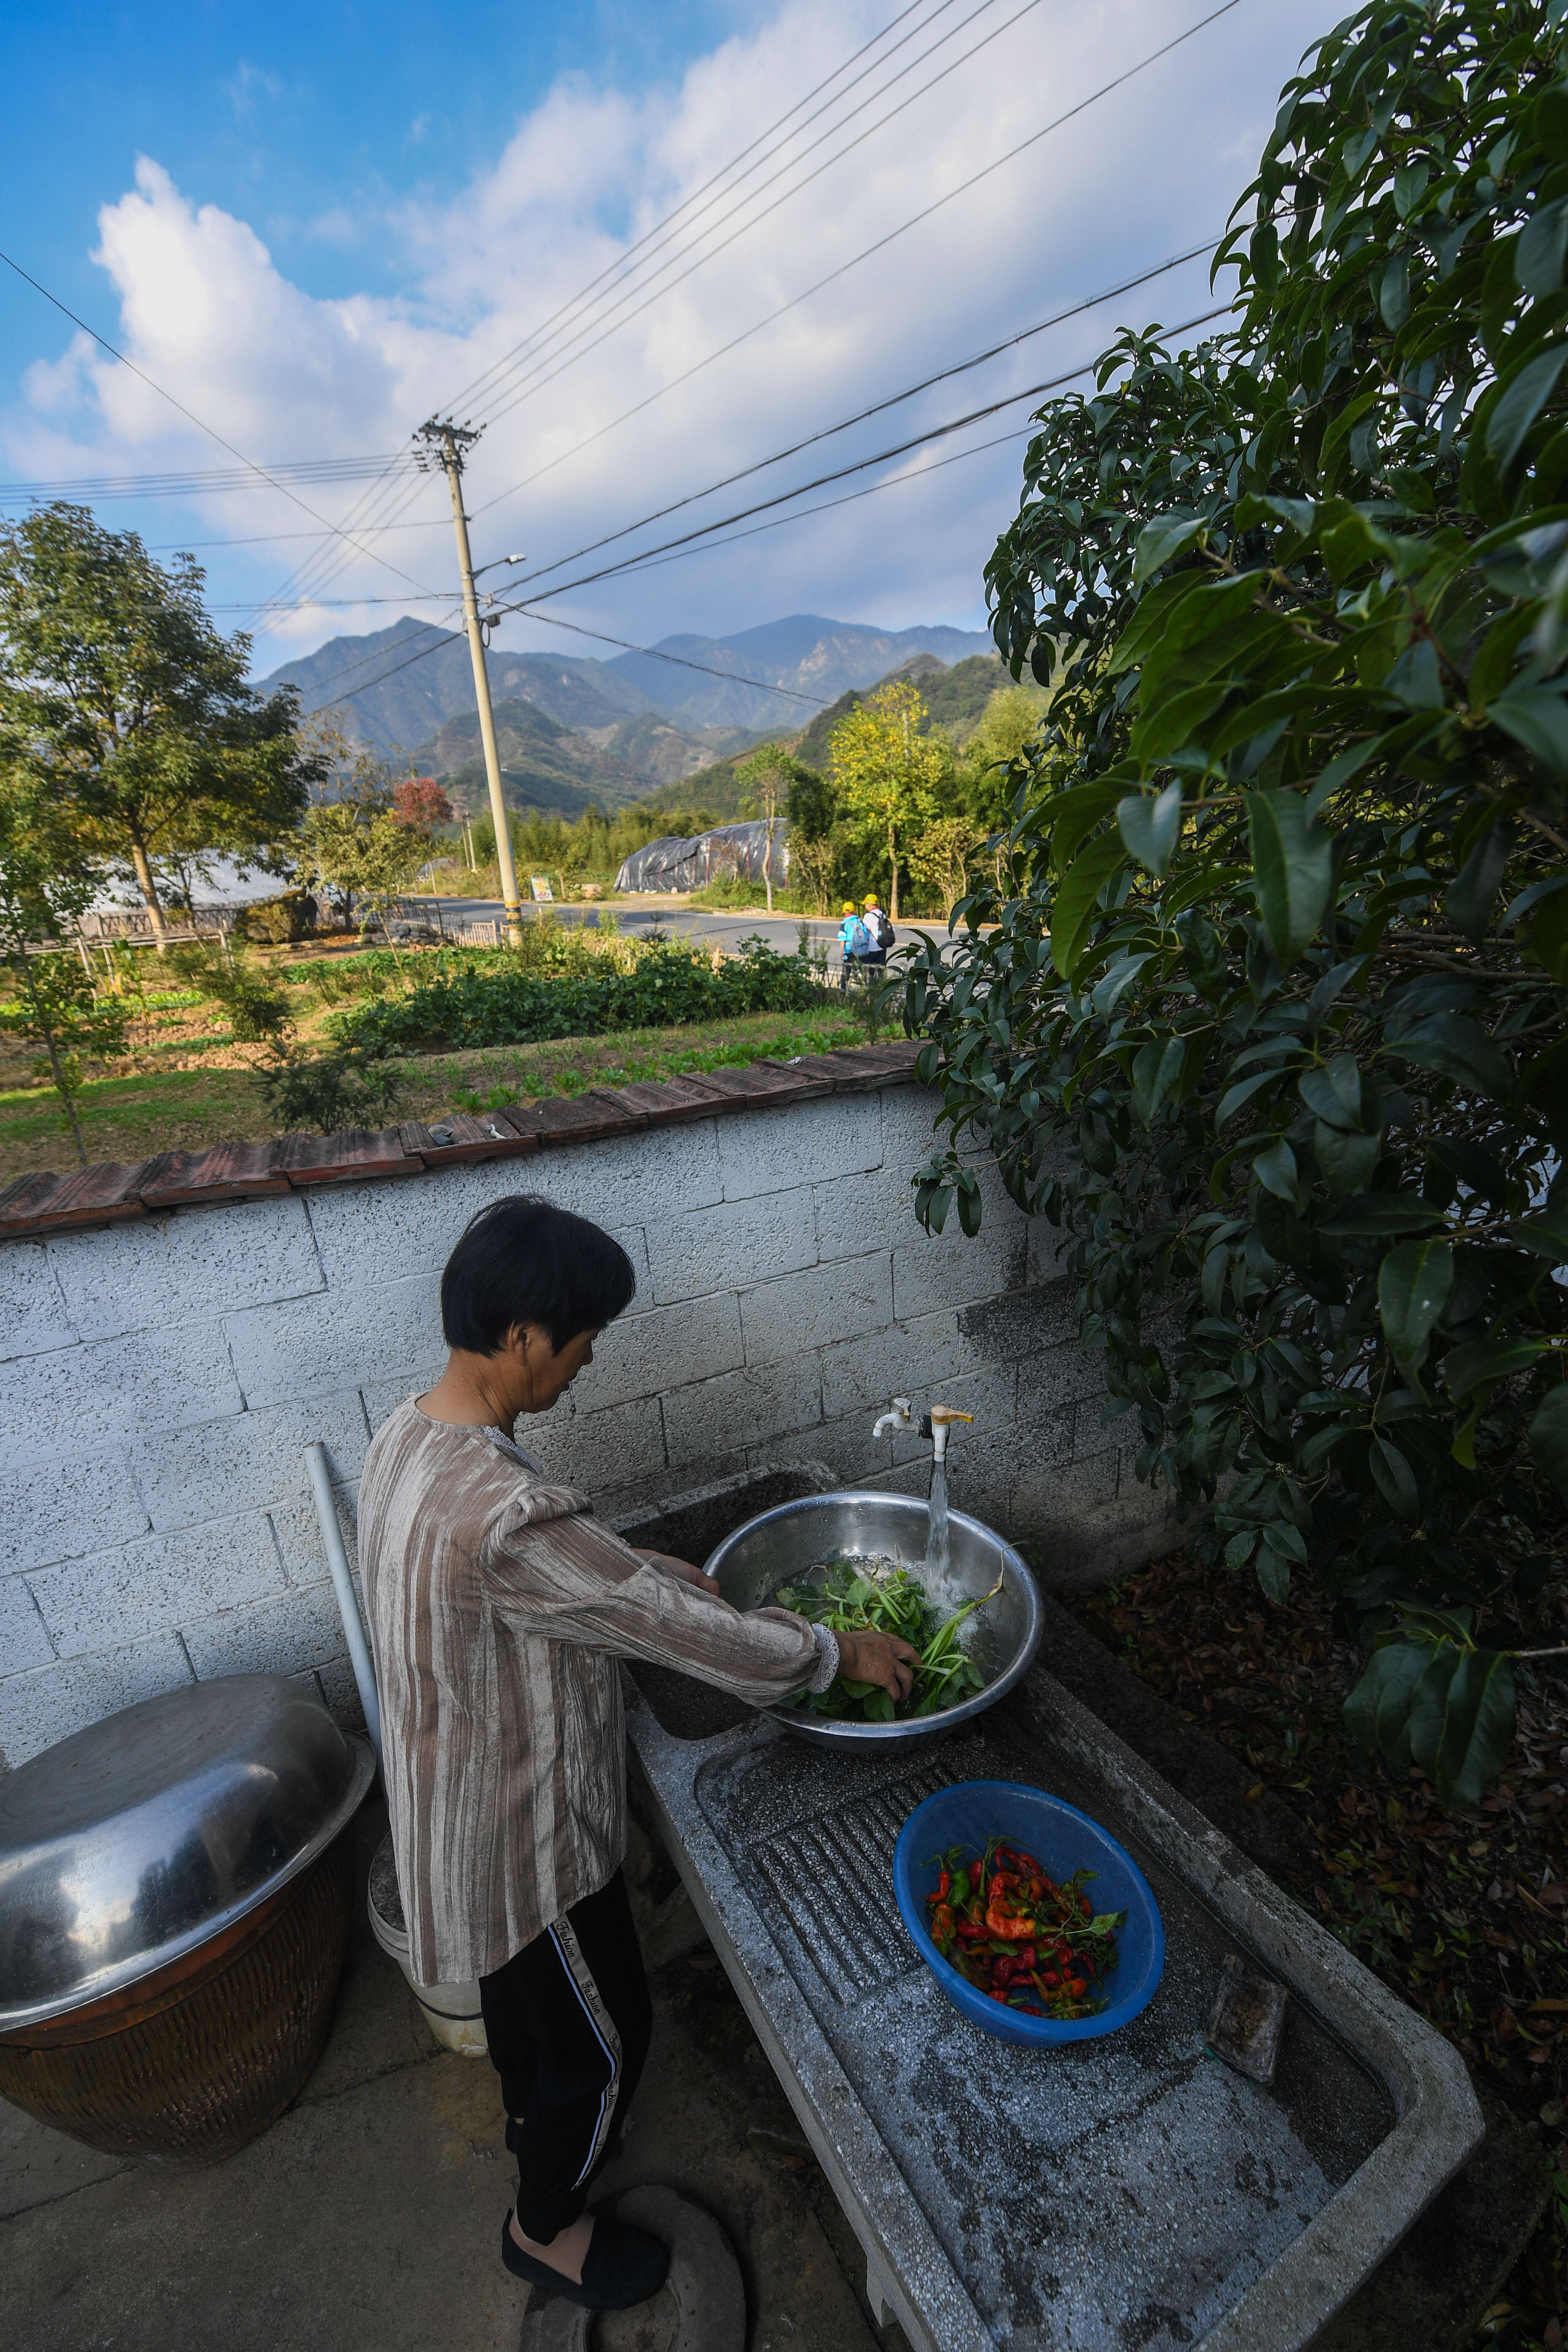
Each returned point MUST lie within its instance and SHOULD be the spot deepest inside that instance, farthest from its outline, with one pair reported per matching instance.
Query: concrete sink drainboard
(1132, 2192)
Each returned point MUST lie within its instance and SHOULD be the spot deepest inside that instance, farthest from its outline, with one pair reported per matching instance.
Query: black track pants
(568, 2019)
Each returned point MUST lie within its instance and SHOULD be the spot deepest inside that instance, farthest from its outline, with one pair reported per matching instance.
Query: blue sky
(314, 225)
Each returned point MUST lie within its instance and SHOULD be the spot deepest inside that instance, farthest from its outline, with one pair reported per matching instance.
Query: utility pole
(445, 444)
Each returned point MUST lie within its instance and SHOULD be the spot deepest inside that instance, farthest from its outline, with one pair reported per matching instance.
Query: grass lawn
(185, 1109)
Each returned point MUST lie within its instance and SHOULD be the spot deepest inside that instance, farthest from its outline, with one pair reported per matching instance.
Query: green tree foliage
(1282, 949)
(769, 775)
(886, 772)
(990, 767)
(361, 852)
(53, 1004)
(120, 699)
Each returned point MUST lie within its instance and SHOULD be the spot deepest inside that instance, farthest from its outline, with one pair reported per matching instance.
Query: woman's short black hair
(522, 1260)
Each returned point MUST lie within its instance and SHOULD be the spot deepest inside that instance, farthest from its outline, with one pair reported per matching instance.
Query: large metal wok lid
(131, 1843)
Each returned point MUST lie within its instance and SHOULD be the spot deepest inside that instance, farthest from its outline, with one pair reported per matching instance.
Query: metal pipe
(344, 1586)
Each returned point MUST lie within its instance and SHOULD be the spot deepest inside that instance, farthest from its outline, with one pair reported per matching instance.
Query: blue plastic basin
(1062, 1840)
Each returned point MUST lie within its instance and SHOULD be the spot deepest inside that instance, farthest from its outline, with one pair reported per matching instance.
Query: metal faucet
(933, 1425)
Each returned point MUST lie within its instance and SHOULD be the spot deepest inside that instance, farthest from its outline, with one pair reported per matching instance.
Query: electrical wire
(695, 542)
(307, 471)
(373, 506)
(201, 425)
(783, 497)
(854, 262)
(877, 408)
(470, 390)
(552, 364)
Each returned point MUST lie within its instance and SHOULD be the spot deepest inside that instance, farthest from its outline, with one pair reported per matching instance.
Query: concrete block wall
(160, 1380)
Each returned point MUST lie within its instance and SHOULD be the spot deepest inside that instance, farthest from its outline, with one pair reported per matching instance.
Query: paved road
(714, 928)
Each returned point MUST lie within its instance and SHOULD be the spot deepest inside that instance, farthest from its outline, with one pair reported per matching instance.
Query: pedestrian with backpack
(879, 932)
(856, 941)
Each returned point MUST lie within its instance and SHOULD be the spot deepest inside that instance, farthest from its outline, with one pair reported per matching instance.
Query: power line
(693, 545)
(373, 503)
(307, 471)
(856, 259)
(564, 358)
(472, 389)
(248, 463)
(898, 449)
(877, 408)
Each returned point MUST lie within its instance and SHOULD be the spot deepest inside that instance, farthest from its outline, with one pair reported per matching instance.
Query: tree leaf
(1150, 825)
(1414, 1283)
(1273, 1571)
(1393, 291)
(1377, 1713)
(1293, 865)
(1461, 1720)
(1385, 1213)
(1548, 1435)
(1158, 540)
(1338, 1093)
(1546, 1234)
(1539, 255)
(1448, 1042)
(1347, 1164)
(1477, 1361)
(1536, 719)
(1073, 909)
(1473, 891)
(1522, 400)
(1156, 1071)
(1394, 1479)
(1275, 1169)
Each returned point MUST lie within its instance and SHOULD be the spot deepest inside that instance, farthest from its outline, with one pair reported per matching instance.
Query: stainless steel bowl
(780, 1546)
(127, 1846)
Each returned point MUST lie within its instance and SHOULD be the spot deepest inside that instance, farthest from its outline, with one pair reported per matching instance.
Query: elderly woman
(498, 1607)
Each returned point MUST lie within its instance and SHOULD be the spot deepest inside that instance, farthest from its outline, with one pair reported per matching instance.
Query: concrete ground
(370, 2215)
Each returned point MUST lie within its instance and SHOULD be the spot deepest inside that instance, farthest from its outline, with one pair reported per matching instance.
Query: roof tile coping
(112, 1191)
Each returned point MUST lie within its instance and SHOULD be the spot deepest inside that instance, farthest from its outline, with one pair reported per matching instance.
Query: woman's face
(552, 1372)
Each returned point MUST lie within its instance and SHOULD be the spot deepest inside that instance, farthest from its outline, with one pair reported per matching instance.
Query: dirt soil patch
(1465, 1916)
(184, 1109)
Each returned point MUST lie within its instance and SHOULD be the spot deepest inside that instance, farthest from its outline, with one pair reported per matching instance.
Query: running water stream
(938, 1551)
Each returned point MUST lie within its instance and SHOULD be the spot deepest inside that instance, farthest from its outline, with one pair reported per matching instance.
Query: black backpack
(885, 934)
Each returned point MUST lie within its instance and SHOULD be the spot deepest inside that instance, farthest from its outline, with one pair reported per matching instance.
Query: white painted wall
(160, 1380)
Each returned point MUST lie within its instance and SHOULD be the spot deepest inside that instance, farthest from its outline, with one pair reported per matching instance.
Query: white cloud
(204, 310)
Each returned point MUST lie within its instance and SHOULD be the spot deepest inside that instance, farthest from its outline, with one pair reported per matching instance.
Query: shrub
(329, 1092)
(1282, 945)
(506, 1003)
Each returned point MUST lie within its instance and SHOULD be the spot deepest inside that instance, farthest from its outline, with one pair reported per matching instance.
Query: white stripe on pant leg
(580, 1978)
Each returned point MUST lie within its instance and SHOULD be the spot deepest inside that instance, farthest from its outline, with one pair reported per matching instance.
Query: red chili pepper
(944, 1888)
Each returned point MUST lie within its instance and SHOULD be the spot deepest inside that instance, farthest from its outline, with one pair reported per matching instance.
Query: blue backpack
(857, 939)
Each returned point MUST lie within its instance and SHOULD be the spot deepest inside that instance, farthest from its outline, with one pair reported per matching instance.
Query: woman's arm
(569, 1577)
(880, 1658)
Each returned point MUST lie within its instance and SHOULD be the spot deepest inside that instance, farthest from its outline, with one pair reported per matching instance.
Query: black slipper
(623, 2266)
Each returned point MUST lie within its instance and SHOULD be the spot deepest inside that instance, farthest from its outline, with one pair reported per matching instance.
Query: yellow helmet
(848, 906)
(871, 901)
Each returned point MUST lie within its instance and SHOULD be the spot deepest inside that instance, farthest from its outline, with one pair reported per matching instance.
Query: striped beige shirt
(498, 1607)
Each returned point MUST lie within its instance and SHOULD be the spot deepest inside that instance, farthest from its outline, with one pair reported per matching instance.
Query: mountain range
(572, 729)
(397, 686)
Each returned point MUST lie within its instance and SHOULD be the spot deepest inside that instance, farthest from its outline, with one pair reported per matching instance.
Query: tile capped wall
(33, 1314)
(160, 1381)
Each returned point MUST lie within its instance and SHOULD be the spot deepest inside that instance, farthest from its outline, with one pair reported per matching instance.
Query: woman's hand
(881, 1658)
(680, 1567)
